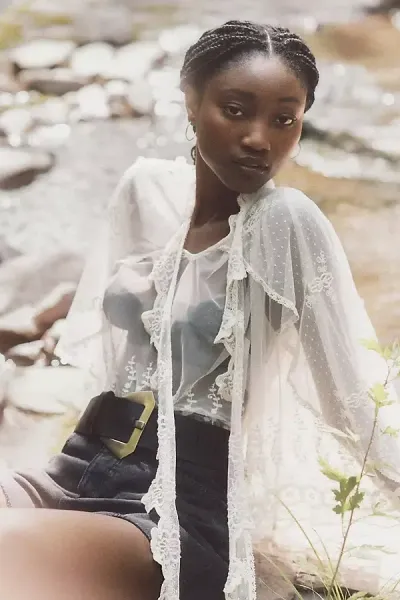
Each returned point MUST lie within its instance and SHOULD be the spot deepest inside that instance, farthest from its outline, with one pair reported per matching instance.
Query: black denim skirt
(86, 476)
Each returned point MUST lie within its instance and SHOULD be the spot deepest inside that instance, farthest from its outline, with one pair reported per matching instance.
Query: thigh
(57, 555)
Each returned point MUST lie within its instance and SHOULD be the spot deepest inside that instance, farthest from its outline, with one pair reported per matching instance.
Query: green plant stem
(364, 464)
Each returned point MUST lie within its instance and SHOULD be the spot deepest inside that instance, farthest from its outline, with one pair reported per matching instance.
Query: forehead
(259, 75)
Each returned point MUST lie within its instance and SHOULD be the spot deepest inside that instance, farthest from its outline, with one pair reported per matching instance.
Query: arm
(332, 322)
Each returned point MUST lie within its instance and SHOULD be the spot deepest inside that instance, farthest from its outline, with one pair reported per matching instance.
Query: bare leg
(59, 555)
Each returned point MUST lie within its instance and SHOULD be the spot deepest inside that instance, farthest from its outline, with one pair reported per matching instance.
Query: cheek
(214, 131)
(286, 142)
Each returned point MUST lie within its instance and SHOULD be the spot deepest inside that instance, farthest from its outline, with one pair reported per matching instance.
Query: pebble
(92, 60)
(42, 54)
(140, 98)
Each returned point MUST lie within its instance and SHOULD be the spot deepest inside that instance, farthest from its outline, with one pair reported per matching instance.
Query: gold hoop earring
(293, 156)
(190, 139)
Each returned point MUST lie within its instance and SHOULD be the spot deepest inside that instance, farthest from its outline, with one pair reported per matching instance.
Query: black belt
(130, 422)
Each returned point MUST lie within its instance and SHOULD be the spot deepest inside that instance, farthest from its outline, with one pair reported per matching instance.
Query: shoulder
(294, 201)
(151, 200)
(157, 170)
(291, 207)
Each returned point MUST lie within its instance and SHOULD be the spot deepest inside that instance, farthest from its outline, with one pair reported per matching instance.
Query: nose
(257, 138)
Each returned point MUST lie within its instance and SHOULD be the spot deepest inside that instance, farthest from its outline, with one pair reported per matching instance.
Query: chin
(245, 186)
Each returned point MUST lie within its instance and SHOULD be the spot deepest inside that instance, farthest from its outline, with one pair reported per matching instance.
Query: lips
(252, 166)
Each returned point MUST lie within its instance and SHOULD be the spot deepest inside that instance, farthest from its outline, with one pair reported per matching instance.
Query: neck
(214, 201)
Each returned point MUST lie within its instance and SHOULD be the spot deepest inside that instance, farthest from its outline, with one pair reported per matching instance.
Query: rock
(8, 84)
(177, 40)
(52, 82)
(51, 112)
(353, 114)
(16, 121)
(51, 338)
(92, 60)
(42, 54)
(25, 355)
(6, 100)
(112, 23)
(27, 280)
(19, 167)
(7, 250)
(372, 42)
(48, 390)
(55, 306)
(140, 98)
(134, 61)
(91, 102)
(117, 93)
(49, 137)
(18, 328)
(384, 7)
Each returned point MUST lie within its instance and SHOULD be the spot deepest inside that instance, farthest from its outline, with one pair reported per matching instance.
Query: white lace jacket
(276, 306)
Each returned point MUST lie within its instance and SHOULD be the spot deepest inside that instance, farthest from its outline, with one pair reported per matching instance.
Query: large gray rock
(19, 167)
(52, 82)
(42, 54)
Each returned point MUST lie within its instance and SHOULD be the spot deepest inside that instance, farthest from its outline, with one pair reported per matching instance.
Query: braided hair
(218, 47)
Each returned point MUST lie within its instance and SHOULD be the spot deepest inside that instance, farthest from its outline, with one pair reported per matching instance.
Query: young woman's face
(248, 121)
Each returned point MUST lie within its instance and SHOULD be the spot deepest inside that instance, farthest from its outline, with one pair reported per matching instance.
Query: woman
(223, 311)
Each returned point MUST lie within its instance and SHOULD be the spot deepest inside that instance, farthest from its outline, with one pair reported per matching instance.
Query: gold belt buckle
(123, 449)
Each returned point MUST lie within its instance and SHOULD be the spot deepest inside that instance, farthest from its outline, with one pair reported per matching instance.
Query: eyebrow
(291, 99)
(250, 95)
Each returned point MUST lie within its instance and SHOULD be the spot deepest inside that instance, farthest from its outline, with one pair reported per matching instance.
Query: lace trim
(241, 581)
(165, 537)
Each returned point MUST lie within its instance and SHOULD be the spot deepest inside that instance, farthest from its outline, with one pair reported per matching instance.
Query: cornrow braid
(217, 47)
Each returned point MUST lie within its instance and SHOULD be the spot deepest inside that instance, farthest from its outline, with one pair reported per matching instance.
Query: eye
(233, 111)
(285, 120)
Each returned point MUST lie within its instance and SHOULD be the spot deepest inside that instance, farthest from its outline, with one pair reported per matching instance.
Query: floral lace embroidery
(321, 283)
(131, 378)
(191, 402)
(216, 399)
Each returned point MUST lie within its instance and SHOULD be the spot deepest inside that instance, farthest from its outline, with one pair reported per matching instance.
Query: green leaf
(379, 395)
(373, 345)
(331, 472)
(387, 353)
(391, 431)
(378, 392)
(356, 500)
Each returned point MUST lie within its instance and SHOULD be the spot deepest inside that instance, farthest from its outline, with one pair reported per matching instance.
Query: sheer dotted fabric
(285, 370)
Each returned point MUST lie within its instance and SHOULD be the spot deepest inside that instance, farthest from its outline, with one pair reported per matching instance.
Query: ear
(192, 103)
